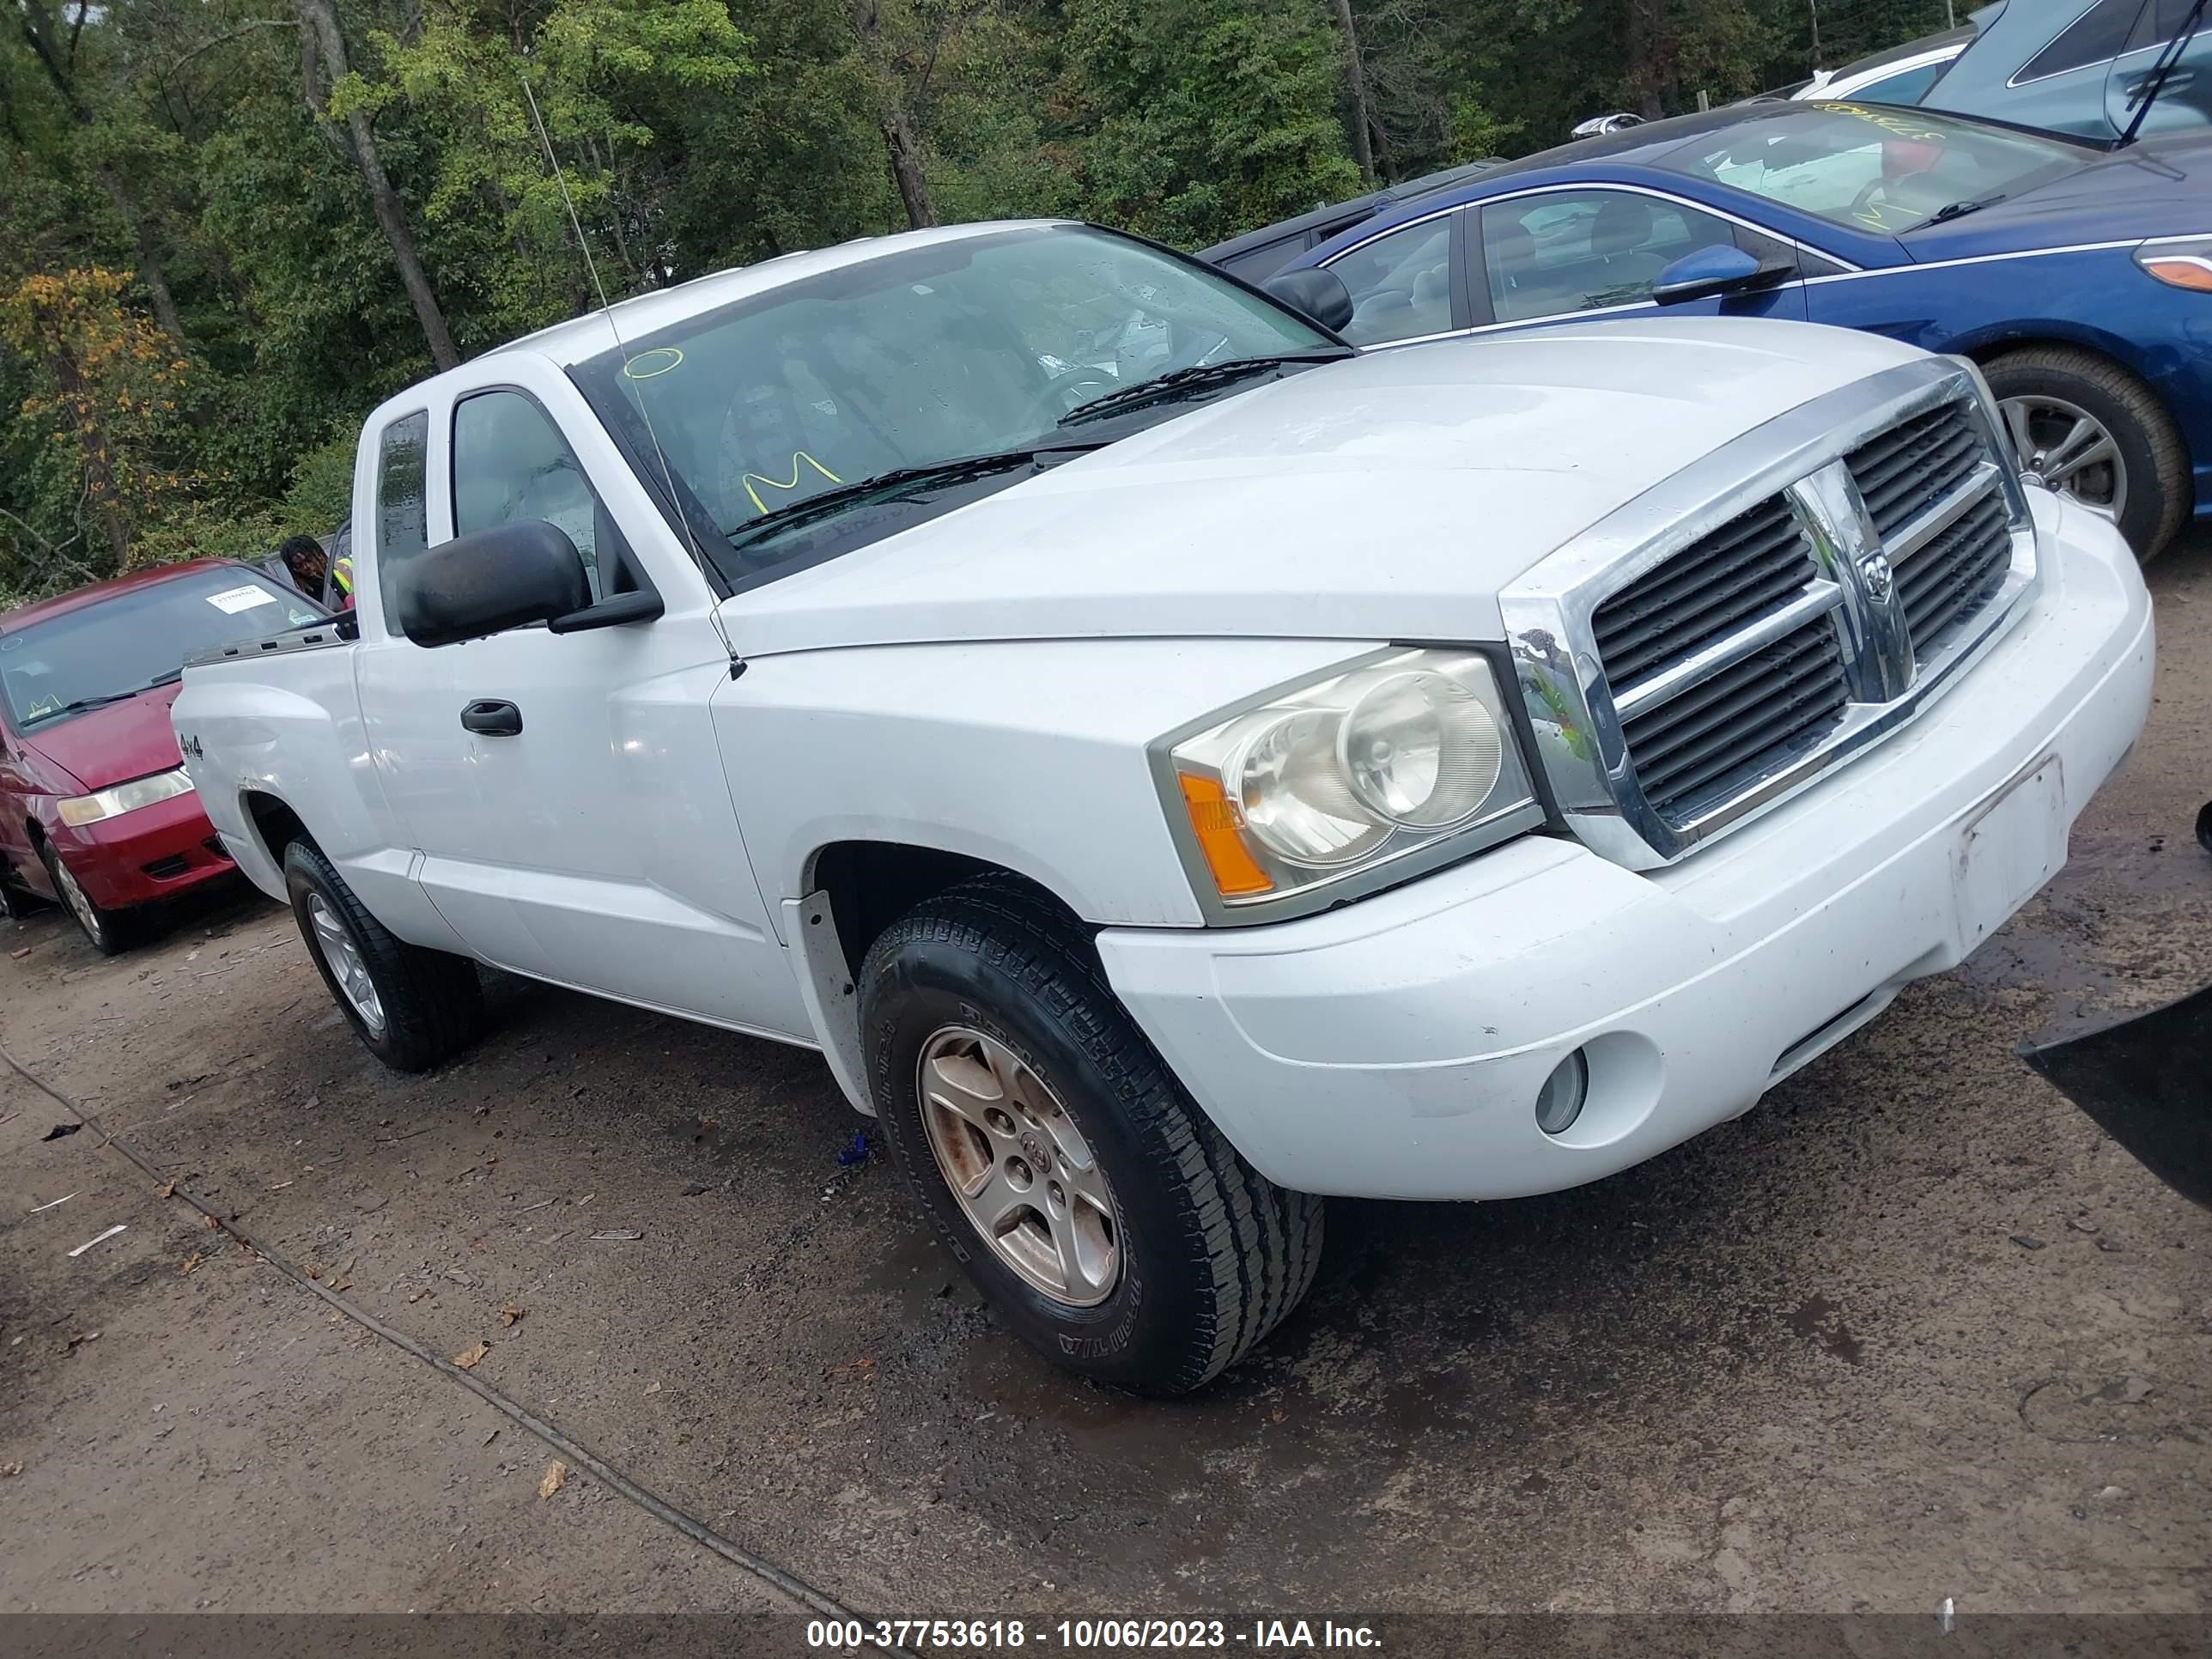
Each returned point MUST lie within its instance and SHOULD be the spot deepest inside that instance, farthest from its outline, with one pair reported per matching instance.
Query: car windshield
(1872, 167)
(116, 647)
(977, 346)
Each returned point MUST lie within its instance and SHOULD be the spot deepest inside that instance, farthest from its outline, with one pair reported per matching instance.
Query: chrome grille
(1785, 602)
(1748, 567)
(1909, 468)
(1949, 577)
(1689, 750)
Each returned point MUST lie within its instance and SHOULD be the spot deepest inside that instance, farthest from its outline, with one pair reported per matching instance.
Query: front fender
(1029, 755)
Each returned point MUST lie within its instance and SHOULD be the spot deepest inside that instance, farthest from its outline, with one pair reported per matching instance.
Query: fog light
(1560, 1101)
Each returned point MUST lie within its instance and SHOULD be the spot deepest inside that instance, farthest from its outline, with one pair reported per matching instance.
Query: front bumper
(1394, 1048)
(151, 853)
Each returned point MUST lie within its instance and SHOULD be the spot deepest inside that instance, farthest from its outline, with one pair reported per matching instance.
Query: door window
(511, 463)
(2093, 38)
(1399, 283)
(402, 526)
(1569, 250)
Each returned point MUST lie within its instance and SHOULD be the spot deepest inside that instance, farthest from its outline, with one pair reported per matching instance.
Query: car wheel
(411, 1007)
(110, 932)
(2090, 430)
(1094, 1205)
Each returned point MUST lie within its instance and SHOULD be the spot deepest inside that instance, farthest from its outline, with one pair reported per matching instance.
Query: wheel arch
(854, 890)
(1984, 346)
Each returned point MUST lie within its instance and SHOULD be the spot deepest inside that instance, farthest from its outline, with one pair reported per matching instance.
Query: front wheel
(1092, 1202)
(411, 1007)
(110, 932)
(2090, 430)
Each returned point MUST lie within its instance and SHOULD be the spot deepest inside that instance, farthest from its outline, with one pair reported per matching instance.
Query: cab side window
(511, 463)
(1399, 283)
(1570, 251)
(403, 525)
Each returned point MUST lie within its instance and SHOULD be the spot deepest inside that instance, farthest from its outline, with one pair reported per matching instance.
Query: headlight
(123, 797)
(1407, 755)
(2179, 262)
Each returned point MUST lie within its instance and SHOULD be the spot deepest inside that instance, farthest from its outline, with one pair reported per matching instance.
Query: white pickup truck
(1171, 766)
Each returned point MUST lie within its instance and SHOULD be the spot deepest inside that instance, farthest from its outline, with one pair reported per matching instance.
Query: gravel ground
(1911, 1330)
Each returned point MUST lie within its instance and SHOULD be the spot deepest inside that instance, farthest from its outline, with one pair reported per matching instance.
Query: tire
(426, 1005)
(110, 932)
(1209, 1254)
(2152, 462)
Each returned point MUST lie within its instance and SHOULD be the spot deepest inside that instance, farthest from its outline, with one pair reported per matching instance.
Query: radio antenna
(607, 311)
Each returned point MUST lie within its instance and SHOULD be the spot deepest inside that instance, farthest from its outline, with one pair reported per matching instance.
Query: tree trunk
(1355, 84)
(319, 28)
(152, 275)
(1647, 52)
(906, 171)
(900, 144)
(37, 26)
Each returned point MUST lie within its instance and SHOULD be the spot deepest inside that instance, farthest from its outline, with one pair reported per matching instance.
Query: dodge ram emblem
(1879, 578)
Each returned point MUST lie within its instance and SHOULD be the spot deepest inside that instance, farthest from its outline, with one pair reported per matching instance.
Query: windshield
(973, 347)
(115, 647)
(1873, 168)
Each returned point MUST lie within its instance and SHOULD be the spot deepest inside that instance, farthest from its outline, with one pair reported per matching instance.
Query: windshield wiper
(885, 486)
(2162, 70)
(1196, 378)
(1943, 215)
(79, 705)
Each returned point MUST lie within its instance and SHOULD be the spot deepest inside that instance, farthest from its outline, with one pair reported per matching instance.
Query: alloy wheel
(2066, 448)
(79, 901)
(346, 964)
(1021, 1170)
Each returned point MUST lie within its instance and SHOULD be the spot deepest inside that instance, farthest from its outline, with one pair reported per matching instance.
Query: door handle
(491, 717)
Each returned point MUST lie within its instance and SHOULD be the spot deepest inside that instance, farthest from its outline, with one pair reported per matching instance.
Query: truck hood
(1389, 494)
(111, 745)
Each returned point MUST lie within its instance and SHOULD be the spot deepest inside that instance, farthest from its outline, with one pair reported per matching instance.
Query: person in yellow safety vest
(328, 581)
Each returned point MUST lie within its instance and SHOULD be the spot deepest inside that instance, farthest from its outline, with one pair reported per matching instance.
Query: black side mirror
(490, 580)
(1317, 293)
(1711, 271)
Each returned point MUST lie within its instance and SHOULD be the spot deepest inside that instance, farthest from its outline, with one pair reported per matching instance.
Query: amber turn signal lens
(1235, 874)
(2181, 271)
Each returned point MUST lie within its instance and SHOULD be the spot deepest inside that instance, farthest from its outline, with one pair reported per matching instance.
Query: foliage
(204, 286)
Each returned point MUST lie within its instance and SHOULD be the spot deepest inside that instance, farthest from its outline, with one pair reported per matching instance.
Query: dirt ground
(1911, 1330)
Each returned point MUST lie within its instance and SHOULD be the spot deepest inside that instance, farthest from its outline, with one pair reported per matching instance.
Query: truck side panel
(288, 726)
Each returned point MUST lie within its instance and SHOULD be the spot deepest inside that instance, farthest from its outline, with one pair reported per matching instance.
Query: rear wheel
(411, 1007)
(110, 932)
(2094, 433)
(1091, 1201)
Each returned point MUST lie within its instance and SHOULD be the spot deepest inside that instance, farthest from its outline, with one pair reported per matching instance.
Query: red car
(95, 810)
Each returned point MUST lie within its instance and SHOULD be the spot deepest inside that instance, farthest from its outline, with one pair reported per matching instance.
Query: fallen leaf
(191, 1262)
(652, 1388)
(6, 1469)
(557, 1476)
(509, 1314)
(213, 1224)
(420, 1294)
(468, 1359)
(314, 1272)
(167, 1189)
(337, 1285)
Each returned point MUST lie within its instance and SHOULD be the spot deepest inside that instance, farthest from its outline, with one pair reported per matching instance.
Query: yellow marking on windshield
(792, 482)
(631, 370)
(1891, 121)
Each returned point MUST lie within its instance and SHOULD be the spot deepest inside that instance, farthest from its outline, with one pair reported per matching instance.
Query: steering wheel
(1071, 388)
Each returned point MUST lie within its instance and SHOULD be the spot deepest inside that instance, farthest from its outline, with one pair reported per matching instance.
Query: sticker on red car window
(236, 599)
